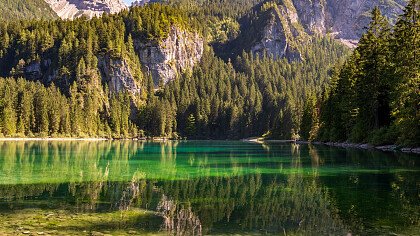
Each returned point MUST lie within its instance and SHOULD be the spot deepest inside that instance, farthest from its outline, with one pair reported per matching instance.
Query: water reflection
(195, 188)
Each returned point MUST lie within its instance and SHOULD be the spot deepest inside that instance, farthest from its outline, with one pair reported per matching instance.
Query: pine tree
(406, 78)
(191, 128)
(373, 83)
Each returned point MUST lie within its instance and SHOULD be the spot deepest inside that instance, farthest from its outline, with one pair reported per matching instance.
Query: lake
(205, 187)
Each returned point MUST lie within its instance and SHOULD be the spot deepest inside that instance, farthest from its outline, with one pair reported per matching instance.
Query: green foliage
(224, 30)
(251, 96)
(310, 120)
(25, 9)
(246, 96)
(31, 109)
(375, 97)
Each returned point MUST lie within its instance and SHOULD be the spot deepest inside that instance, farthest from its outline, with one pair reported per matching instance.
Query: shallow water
(205, 187)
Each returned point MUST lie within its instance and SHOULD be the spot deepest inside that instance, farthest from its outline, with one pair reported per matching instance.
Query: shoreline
(54, 139)
(364, 146)
(259, 140)
(160, 139)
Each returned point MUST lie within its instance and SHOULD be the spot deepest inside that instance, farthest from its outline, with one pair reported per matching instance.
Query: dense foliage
(217, 99)
(373, 98)
(25, 9)
(68, 55)
(375, 94)
(252, 97)
(30, 109)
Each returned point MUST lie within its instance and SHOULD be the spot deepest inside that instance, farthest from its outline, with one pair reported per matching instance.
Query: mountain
(70, 9)
(25, 9)
(144, 2)
(282, 27)
(158, 68)
(346, 19)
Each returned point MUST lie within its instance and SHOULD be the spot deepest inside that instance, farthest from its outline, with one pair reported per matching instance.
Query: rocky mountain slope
(346, 19)
(167, 59)
(70, 9)
(281, 27)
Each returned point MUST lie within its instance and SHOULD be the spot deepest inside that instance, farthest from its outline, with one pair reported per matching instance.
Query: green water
(205, 187)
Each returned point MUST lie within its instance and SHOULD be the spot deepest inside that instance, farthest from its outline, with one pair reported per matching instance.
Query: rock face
(278, 27)
(165, 60)
(116, 73)
(346, 19)
(70, 9)
(279, 36)
(144, 2)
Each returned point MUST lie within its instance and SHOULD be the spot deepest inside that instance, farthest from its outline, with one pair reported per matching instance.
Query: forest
(370, 94)
(375, 94)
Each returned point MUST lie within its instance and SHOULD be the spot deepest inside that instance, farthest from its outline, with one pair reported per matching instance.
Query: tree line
(374, 96)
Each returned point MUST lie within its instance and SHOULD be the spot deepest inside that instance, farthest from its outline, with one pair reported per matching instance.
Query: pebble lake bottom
(205, 187)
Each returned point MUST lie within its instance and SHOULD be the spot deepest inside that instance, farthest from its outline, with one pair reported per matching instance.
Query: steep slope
(346, 19)
(167, 59)
(280, 28)
(25, 9)
(271, 29)
(120, 49)
(70, 9)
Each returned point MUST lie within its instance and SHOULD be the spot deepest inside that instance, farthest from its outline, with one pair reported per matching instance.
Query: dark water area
(205, 187)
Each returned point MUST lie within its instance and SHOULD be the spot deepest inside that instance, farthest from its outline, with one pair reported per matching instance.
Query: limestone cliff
(280, 36)
(70, 9)
(117, 74)
(280, 27)
(163, 60)
(271, 29)
(346, 19)
(166, 59)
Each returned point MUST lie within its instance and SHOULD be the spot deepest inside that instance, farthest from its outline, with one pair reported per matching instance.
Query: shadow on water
(205, 187)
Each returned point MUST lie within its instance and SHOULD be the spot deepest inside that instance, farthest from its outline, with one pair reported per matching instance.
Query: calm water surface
(205, 187)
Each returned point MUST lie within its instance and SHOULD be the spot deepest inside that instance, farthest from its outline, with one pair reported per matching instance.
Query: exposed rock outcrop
(272, 29)
(144, 2)
(116, 73)
(167, 59)
(70, 9)
(279, 36)
(346, 19)
(279, 27)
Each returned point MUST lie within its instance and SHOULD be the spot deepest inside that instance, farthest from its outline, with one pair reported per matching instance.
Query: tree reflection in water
(178, 220)
(206, 188)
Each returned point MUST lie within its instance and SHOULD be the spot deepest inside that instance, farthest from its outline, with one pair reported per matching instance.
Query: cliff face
(165, 60)
(279, 27)
(70, 9)
(116, 73)
(345, 19)
(280, 36)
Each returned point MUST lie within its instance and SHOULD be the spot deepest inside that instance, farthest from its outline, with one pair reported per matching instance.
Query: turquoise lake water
(205, 187)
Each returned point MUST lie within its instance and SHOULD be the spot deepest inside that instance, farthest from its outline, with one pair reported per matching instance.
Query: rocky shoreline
(385, 148)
